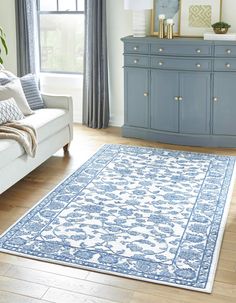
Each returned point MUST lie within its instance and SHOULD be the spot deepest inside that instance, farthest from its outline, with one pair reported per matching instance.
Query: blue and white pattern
(144, 213)
(9, 111)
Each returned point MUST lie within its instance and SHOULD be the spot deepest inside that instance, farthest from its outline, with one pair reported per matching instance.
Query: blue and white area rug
(143, 213)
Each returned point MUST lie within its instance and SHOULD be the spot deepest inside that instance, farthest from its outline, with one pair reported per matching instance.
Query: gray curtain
(95, 92)
(26, 36)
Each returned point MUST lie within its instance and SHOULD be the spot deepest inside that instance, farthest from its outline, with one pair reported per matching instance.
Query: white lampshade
(139, 15)
(137, 5)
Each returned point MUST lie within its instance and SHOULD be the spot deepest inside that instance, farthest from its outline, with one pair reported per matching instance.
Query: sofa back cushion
(6, 74)
(9, 111)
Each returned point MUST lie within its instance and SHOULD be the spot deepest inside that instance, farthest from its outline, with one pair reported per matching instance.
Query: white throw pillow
(6, 73)
(14, 90)
(9, 111)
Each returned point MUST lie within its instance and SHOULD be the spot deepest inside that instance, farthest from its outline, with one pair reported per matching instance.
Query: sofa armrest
(58, 101)
(64, 102)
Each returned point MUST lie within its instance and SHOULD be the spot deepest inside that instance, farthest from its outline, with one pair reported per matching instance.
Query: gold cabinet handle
(145, 94)
(136, 61)
(160, 63)
(198, 51)
(176, 98)
(215, 99)
(180, 98)
(160, 50)
(228, 65)
(198, 65)
(228, 51)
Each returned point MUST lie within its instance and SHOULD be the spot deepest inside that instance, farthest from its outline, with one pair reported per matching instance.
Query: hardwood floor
(27, 281)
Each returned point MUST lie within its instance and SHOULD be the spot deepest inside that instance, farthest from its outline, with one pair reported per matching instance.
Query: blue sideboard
(180, 91)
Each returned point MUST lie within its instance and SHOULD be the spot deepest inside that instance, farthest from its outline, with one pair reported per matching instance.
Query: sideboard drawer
(181, 64)
(139, 48)
(225, 51)
(225, 65)
(137, 61)
(179, 50)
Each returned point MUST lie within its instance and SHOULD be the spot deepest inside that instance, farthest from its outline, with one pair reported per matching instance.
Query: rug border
(104, 272)
(219, 242)
(212, 272)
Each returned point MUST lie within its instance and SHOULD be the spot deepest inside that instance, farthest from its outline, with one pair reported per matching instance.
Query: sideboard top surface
(176, 40)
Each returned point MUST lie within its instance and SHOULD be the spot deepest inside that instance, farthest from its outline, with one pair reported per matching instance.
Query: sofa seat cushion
(47, 121)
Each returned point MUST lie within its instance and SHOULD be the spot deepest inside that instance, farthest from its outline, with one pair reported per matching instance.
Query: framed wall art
(197, 16)
(169, 8)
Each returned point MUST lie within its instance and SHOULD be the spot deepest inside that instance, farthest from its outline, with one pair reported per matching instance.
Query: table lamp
(139, 15)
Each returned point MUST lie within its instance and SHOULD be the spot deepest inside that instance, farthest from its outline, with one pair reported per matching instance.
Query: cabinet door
(164, 103)
(194, 103)
(136, 97)
(224, 103)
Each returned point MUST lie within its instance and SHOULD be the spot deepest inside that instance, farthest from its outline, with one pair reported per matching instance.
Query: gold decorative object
(169, 8)
(161, 32)
(170, 28)
(221, 27)
(220, 30)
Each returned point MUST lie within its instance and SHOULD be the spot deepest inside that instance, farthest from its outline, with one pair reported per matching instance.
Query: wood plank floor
(27, 281)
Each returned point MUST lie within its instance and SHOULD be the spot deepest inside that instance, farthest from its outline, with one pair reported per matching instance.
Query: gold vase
(170, 31)
(161, 32)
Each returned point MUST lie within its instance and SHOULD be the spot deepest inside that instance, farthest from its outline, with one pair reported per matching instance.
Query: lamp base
(139, 23)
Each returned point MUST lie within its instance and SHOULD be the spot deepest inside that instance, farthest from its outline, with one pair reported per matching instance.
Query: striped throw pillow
(32, 93)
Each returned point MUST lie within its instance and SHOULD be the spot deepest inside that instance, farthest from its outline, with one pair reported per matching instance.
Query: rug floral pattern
(140, 212)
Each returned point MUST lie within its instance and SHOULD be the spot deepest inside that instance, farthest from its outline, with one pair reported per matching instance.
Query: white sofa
(53, 125)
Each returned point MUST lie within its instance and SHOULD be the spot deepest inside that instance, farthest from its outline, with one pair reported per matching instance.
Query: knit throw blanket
(24, 134)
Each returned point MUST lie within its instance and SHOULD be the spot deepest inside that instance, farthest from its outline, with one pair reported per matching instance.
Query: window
(61, 30)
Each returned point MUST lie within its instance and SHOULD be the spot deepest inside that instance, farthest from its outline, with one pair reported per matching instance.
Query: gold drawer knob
(215, 99)
(228, 65)
(176, 98)
(145, 94)
(198, 65)
(136, 61)
(160, 50)
(160, 63)
(228, 51)
(135, 48)
(180, 98)
(198, 51)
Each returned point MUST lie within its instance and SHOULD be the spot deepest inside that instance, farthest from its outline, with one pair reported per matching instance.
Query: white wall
(119, 25)
(7, 21)
(228, 13)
